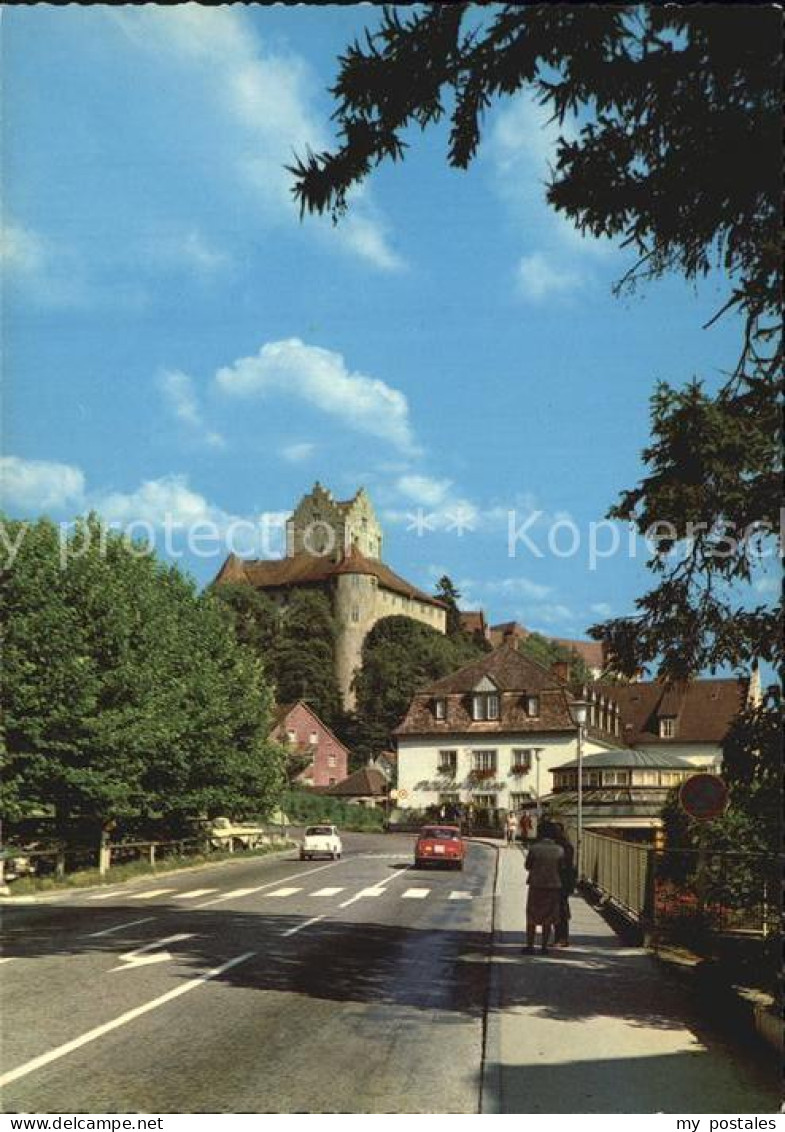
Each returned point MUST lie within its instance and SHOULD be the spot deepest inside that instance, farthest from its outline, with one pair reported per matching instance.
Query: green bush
(304, 808)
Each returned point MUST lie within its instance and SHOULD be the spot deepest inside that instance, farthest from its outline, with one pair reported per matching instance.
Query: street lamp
(578, 711)
(537, 752)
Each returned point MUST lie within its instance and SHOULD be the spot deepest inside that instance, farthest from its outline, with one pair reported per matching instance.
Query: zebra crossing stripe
(415, 893)
(103, 895)
(458, 895)
(149, 895)
(284, 892)
(327, 892)
(192, 895)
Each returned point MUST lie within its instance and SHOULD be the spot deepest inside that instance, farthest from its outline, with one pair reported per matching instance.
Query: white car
(321, 841)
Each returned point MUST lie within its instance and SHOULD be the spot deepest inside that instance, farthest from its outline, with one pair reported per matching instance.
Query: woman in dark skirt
(544, 900)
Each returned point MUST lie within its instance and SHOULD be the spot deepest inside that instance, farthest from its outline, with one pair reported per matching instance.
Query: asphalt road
(261, 986)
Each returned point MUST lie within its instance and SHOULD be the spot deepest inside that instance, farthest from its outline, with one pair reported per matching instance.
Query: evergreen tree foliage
(400, 656)
(547, 653)
(677, 156)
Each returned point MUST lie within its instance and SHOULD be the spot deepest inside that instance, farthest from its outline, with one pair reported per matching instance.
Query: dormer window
(485, 706)
(532, 706)
(440, 708)
(667, 727)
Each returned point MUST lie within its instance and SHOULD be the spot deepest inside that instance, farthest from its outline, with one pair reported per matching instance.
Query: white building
(489, 735)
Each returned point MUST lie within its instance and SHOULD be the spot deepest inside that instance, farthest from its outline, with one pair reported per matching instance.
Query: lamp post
(578, 712)
(537, 752)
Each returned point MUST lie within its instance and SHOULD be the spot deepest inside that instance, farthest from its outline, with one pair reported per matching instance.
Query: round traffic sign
(403, 793)
(704, 796)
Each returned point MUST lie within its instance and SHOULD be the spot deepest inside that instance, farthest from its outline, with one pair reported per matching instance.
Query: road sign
(403, 793)
(704, 796)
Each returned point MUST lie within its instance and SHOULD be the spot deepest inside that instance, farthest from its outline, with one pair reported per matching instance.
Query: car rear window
(318, 831)
(437, 834)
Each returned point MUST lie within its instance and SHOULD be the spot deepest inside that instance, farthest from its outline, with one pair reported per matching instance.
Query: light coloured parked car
(321, 841)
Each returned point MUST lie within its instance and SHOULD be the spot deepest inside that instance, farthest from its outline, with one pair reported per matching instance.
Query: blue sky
(179, 342)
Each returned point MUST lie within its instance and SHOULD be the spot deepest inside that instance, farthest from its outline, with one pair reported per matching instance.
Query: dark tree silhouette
(677, 156)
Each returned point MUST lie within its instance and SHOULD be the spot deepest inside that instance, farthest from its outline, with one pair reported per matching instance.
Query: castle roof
(308, 569)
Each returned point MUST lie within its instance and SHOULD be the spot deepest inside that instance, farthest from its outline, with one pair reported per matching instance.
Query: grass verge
(91, 878)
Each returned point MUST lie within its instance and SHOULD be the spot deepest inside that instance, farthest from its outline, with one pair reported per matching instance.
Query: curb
(54, 893)
(490, 1064)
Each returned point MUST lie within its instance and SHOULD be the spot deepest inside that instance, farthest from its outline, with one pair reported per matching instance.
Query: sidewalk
(599, 1027)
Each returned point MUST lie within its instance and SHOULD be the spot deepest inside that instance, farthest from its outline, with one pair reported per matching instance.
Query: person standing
(511, 828)
(526, 827)
(567, 874)
(543, 863)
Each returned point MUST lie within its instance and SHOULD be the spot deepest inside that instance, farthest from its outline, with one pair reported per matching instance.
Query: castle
(335, 547)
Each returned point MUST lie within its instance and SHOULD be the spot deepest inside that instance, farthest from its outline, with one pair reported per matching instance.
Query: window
(449, 799)
(291, 736)
(355, 613)
(532, 706)
(332, 782)
(521, 760)
(486, 705)
(615, 778)
(672, 777)
(448, 762)
(485, 801)
(332, 761)
(313, 738)
(440, 708)
(667, 727)
(518, 801)
(484, 761)
(592, 778)
(644, 778)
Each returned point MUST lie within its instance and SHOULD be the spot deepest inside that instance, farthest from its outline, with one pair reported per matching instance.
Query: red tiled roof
(368, 782)
(473, 621)
(703, 709)
(307, 569)
(515, 676)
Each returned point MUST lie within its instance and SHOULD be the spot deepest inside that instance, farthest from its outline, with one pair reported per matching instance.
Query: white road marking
(284, 892)
(122, 1020)
(327, 892)
(270, 884)
(458, 895)
(142, 956)
(104, 895)
(119, 927)
(305, 924)
(415, 893)
(6, 959)
(375, 891)
(149, 895)
(192, 895)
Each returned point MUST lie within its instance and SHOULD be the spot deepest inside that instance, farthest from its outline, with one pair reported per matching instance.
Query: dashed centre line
(120, 927)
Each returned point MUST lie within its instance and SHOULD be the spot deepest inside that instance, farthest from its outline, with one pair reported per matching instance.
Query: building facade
(300, 730)
(489, 736)
(335, 547)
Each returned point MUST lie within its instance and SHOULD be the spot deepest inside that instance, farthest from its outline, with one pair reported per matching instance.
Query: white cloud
(518, 586)
(424, 490)
(320, 378)
(298, 452)
(40, 485)
(521, 150)
(179, 393)
(261, 106)
(540, 278)
(601, 609)
(189, 250)
(22, 251)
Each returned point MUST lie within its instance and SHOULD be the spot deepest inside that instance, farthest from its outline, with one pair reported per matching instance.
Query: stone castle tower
(335, 546)
(322, 525)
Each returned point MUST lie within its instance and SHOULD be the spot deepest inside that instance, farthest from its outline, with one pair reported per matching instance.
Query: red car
(440, 844)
